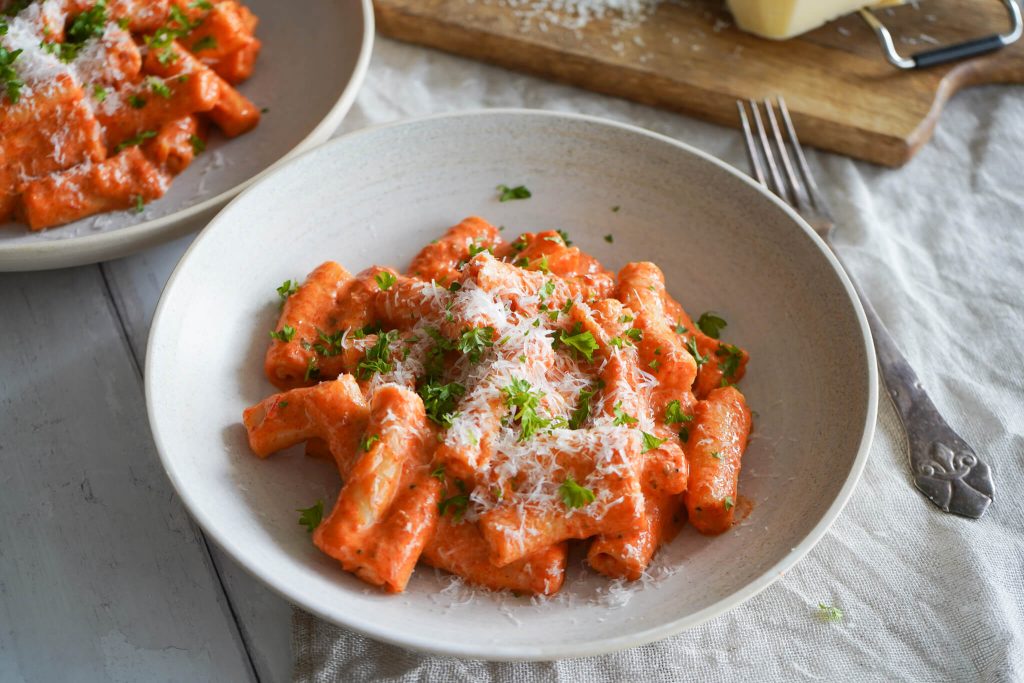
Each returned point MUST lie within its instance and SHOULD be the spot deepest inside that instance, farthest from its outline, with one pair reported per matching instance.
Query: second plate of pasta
(129, 123)
(536, 443)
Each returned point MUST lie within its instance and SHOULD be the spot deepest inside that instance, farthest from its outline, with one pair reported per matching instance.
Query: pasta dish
(499, 400)
(102, 102)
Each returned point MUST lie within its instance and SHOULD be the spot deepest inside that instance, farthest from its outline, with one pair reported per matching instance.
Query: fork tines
(770, 150)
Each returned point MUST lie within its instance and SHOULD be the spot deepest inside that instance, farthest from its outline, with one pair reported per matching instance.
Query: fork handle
(945, 468)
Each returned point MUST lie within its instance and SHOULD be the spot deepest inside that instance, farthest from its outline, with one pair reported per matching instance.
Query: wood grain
(688, 57)
(103, 577)
(263, 617)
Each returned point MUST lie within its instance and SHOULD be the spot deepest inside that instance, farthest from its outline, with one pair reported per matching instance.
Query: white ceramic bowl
(376, 196)
(309, 71)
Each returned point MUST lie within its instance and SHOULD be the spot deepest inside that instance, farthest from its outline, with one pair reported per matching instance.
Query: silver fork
(944, 467)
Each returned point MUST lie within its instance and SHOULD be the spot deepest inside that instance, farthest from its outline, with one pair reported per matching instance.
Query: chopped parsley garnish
(198, 144)
(731, 357)
(581, 412)
(565, 237)
(285, 334)
(136, 140)
(717, 455)
(159, 87)
(312, 371)
(367, 443)
(623, 418)
(378, 356)
(457, 503)
(691, 346)
(507, 193)
(99, 93)
(609, 238)
(635, 334)
(385, 279)
(140, 203)
(439, 400)
(438, 473)
(684, 434)
(654, 364)
(201, 4)
(615, 209)
(679, 328)
(729, 505)
(9, 80)
(88, 24)
(626, 318)
(547, 290)
(830, 613)
(311, 516)
(287, 288)
(524, 400)
(711, 324)
(619, 342)
(137, 101)
(330, 344)
(674, 413)
(651, 441)
(576, 341)
(573, 495)
(205, 43)
(474, 340)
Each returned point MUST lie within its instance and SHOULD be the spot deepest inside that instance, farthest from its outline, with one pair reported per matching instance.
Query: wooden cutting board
(689, 57)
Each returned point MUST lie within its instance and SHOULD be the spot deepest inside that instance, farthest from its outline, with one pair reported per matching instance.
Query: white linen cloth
(937, 245)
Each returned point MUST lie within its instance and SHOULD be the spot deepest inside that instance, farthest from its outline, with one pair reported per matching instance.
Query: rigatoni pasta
(103, 102)
(500, 401)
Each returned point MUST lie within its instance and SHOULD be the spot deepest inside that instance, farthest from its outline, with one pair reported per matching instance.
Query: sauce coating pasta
(103, 102)
(500, 401)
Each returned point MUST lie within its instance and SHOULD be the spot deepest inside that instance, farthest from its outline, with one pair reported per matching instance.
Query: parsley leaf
(89, 24)
(547, 290)
(684, 434)
(140, 203)
(312, 371)
(622, 417)
(576, 341)
(711, 324)
(581, 412)
(457, 503)
(565, 237)
(731, 356)
(474, 340)
(679, 328)
(729, 505)
(205, 43)
(137, 101)
(507, 193)
(9, 82)
(830, 613)
(574, 495)
(332, 343)
(285, 334)
(674, 413)
(385, 279)
(198, 144)
(136, 140)
(378, 356)
(523, 399)
(287, 288)
(717, 455)
(651, 441)
(438, 473)
(367, 443)
(311, 516)
(609, 238)
(691, 346)
(158, 86)
(439, 400)
(635, 334)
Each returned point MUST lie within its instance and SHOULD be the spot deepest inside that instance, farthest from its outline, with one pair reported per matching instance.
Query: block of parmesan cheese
(781, 19)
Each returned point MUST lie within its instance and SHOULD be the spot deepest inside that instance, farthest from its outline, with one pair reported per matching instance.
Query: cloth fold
(925, 596)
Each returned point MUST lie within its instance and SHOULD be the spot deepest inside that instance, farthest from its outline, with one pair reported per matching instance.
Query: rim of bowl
(77, 251)
(540, 652)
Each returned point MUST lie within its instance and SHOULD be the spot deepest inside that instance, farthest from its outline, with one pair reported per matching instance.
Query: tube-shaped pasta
(111, 60)
(440, 260)
(585, 276)
(222, 31)
(717, 440)
(142, 16)
(334, 414)
(720, 363)
(312, 311)
(460, 548)
(66, 136)
(520, 526)
(238, 66)
(146, 109)
(626, 554)
(119, 182)
(173, 148)
(387, 509)
(520, 288)
(662, 350)
(37, 105)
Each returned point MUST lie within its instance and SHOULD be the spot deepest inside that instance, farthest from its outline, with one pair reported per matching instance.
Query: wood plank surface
(264, 618)
(689, 57)
(103, 577)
